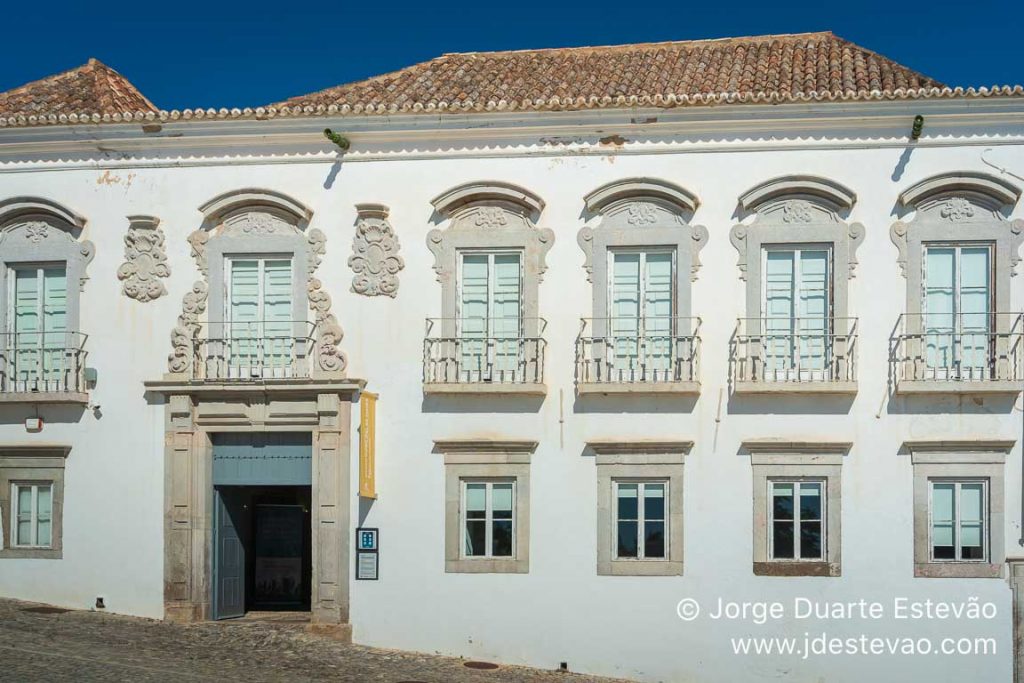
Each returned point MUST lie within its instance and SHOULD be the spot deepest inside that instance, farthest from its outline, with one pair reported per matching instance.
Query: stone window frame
(952, 208)
(38, 231)
(639, 461)
(489, 215)
(259, 223)
(642, 212)
(984, 460)
(483, 460)
(797, 461)
(31, 464)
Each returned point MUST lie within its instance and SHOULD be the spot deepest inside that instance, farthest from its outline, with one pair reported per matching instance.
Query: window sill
(640, 568)
(767, 387)
(637, 388)
(958, 570)
(487, 566)
(493, 389)
(797, 569)
(67, 397)
(930, 386)
(31, 554)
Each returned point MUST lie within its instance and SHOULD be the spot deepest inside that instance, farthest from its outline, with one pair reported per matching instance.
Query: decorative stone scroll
(146, 260)
(375, 260)
(256, 221)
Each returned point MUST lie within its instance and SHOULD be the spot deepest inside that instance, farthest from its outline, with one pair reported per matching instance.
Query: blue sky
(227, 54)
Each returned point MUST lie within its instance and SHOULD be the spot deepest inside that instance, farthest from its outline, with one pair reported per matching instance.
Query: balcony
(46, 367)
(615, 356)
(484, 356)
(972, 353)
(795, 355)
(244, 352)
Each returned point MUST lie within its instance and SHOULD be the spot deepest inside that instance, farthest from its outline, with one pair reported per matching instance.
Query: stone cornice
(781, 446)
(960, 446)
(483, 446)
(640, 447)
(35, 450)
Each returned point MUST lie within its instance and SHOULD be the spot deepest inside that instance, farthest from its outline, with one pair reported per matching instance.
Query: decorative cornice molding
(221, 207)
(146, 260)
(640, 447)
(449, 203)
(483, 446)
(34, 450)
(778, 446)
(836, 196)
(16, 207)
(960, 446)
(987, 188)
(607, 196)
(375, 260)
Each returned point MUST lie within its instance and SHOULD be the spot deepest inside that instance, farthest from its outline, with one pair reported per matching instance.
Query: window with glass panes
(957, 307)
(259, 313)
(488, 527)
(641, 309)
(796, 526)
(640, 520)
(38, 321)
(32, 518)
(796, 309)
(490, 315)
(959, 515)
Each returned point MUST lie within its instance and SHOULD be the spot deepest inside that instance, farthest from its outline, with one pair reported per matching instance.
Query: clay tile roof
(93, 87)
(761, 68)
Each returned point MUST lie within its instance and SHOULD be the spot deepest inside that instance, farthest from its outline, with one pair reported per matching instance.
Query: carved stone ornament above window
(489, 215)
(643, 212)
(375, 260)
(797, 210)
(959, 206)
(34, 229)
(146, 260)
(254, 221)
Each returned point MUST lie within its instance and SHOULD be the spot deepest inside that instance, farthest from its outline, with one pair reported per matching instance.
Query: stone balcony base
(65, 397)
(485, 388)
(637, 388)
(777, 388)
(931, 386)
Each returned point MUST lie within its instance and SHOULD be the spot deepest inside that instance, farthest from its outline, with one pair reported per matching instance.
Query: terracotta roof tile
(93, 87)
(784, 66)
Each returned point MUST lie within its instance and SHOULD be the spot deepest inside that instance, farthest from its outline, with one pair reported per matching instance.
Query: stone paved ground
(87, 647)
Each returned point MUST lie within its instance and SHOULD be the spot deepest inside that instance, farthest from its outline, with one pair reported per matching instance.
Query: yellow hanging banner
(367, 445)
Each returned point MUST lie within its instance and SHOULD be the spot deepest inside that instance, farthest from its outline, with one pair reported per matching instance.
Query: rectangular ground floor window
(488, 518)
(797, 507)
(32, 516)
(32, 501)
(640, 521)
(959, 512)
(797, 530)
(959, 508)
(487, 506)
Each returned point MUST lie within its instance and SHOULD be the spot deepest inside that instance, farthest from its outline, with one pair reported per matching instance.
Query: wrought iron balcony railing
(43, 362)
(938, 351)
(795, 354)
(483, 352)
(241, 351)
(627, 354)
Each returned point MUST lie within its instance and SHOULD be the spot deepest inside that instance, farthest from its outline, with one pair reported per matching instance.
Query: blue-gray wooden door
(229, 556)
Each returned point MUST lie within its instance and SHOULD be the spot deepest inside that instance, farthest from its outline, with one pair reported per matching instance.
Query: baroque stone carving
(183, 335)
(797, 211)
(36, 231)
(146, 260)
(375, 260)
(956, 209)
(640, 213)
(328, 332)
(42, 240)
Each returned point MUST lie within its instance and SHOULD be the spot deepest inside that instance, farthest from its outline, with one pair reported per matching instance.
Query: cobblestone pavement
(45, 644)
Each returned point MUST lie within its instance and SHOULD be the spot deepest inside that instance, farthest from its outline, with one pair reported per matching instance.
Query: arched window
(43, 266)
(958, 253)
(797, 255)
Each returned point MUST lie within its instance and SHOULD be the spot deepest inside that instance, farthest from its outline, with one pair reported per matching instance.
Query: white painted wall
(561, 610)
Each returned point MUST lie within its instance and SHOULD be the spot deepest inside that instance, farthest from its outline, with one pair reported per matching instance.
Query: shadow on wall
(482, 404)
(810, 404)
(54, 414)
(634, 404)
(1002, 404)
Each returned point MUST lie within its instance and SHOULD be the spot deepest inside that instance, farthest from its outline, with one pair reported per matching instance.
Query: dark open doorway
(262, 549)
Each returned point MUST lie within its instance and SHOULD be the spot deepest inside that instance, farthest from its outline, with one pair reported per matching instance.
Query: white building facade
(624, 357)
